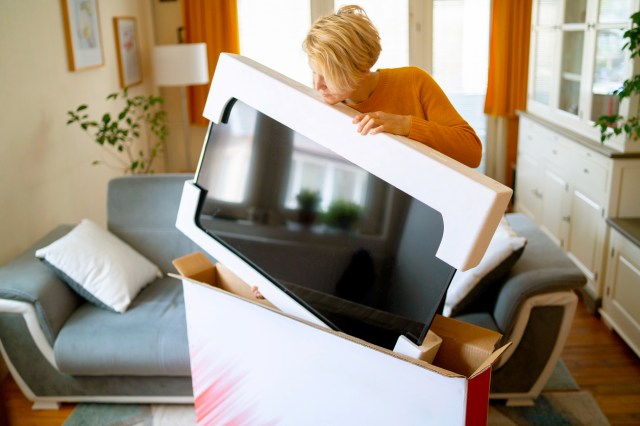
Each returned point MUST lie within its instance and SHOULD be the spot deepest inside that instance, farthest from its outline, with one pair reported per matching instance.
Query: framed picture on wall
(82, 34)
(128, 50)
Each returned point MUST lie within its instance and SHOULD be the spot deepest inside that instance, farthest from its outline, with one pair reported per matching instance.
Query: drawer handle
(554, 152)
(586, 171)
(566, 218)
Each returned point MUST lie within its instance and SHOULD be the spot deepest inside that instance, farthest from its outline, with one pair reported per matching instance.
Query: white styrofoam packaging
(277, 363)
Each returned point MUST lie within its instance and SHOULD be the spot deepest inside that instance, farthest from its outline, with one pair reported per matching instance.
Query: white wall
(46, 176)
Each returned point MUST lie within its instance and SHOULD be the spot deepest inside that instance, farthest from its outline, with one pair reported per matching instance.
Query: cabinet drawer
(558, 153)
(590, 172)
(533, 138)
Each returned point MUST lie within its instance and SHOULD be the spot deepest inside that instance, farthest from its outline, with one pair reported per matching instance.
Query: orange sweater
(434, 121)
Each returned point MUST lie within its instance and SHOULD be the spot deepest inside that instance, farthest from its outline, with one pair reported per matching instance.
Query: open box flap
(446, 185)
(490, 360)
(465, 347)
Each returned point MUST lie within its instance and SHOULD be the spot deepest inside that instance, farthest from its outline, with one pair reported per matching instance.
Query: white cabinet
(569, 186)
(564, 187)
(576, 61)
(621, 302)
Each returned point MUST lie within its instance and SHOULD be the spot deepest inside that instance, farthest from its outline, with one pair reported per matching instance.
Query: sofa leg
(45, 405)
(520, 402)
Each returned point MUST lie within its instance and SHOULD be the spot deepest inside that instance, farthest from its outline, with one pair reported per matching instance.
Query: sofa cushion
(99, 266)
(482, 281)
(149, 339)
(152, 222)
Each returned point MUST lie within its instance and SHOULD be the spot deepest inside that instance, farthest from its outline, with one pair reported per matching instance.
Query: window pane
(391, 18)
(575, 11)
(548, 12)
(271, 32)
(609, 73)
(542, 66)
(571, 71)
(461, 56)
(612, 11)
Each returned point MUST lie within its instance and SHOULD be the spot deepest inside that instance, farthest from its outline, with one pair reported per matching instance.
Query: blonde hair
(343, 46)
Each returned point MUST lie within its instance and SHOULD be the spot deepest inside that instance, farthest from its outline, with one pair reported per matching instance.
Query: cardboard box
(253, 363)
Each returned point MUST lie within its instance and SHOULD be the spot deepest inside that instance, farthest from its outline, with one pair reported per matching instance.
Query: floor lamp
(181, 65)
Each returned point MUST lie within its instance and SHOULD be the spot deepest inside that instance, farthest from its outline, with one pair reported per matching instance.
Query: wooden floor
(604, 365)
(598, 359)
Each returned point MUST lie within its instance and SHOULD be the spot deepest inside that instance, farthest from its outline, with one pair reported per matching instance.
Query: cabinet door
(611, 65)
(528, 192)
(621, 302)
(554, 206)
(585, 236)
(577, 61)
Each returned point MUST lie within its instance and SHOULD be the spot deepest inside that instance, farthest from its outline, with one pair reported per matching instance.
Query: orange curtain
(508, 69)
(215, 23)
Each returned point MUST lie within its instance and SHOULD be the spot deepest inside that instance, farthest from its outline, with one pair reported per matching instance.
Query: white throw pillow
(503, 244)
(99, 266)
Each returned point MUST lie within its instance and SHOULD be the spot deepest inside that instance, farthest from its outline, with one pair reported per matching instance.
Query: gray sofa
(60, 348)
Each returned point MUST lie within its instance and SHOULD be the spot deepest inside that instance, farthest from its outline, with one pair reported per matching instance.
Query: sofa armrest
(517, 289)
(27, 279)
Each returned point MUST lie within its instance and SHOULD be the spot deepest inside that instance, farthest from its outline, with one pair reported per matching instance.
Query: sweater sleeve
(443, 129)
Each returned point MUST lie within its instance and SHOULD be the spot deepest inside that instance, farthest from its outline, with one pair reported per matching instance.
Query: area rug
(561, 403)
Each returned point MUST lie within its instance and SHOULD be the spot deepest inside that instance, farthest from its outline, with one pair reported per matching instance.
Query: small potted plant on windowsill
(118, 134)
(342, 214)
(616, 124)
(308, 204)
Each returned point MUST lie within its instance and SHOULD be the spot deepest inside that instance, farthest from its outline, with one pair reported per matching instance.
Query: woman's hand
(372, 123)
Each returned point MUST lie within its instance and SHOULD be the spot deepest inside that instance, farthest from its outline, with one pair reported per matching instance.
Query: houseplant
(342, 214)
(308, 203)
(117, 134)
(613, 125)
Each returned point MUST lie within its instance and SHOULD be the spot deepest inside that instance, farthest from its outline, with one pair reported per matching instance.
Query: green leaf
(82, 107)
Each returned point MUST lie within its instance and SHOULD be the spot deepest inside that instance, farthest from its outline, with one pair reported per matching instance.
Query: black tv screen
(352, 248)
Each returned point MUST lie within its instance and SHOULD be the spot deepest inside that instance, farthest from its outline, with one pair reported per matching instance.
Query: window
(316, 169)
(461, 57)
(272, 33)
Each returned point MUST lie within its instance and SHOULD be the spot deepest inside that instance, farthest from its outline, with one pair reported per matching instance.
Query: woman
(342, 48)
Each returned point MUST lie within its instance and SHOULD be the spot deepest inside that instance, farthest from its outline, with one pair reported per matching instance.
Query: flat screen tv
(353, 249)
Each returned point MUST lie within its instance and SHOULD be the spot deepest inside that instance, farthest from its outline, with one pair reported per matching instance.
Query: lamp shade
(181, 64)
